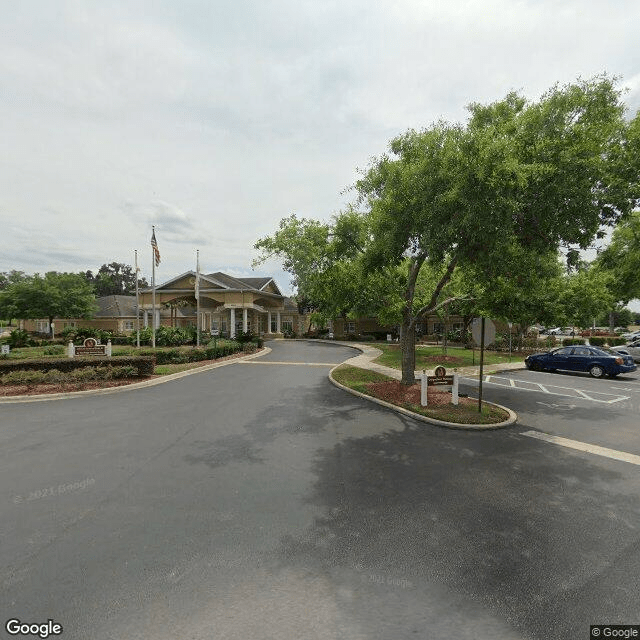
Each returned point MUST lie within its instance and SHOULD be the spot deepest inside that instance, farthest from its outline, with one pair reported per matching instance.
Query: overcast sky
(215, 119)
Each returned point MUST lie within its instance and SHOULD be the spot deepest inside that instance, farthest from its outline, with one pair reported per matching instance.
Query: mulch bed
(397, 393)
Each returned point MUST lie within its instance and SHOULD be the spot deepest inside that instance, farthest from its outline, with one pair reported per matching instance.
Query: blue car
(598, 361)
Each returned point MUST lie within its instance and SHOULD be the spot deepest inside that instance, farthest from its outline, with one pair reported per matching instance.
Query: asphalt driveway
(258, 501)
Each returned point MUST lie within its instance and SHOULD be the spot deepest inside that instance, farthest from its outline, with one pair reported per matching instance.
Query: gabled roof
(116, 307)
(257, 283)
(223, 281)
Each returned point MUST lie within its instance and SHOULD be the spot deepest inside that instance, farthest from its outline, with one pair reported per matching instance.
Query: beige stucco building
(227, 304)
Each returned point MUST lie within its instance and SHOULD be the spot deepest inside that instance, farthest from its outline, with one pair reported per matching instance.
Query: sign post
(483, 332)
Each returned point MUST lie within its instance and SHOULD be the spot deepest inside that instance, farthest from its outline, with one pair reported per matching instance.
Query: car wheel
(596, 371)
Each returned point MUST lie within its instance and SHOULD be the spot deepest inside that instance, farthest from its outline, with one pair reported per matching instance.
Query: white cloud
(213, 120)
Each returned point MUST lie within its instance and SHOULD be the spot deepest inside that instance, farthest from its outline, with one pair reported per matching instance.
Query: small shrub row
(598, 341)
(567, 342)
(142, 364)
(210, 352)
(54, 376)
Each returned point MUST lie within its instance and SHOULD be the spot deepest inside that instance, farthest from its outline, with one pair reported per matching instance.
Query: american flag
(154, 245)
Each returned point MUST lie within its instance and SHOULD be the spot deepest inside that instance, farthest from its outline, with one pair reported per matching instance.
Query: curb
(513, 416)
(43, 397)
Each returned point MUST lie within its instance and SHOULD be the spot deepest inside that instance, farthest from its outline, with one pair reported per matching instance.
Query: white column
(268, 321)
(278, 323)
(157, 314)
(145, 317)
(232, 329)
(244, 319)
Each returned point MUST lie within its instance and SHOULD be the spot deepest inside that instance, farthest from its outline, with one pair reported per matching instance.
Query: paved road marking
(583, 446)
(299, 364)
(572, 392)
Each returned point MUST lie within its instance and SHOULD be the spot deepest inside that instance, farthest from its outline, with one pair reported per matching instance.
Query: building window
(437, 328)
(287, 325)
(127, 325)
(42, 326)
(274, 324)
(68, 324)
(351, 326)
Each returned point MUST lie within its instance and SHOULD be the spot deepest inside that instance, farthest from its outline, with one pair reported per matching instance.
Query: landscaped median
(34, 371)
(391, 393)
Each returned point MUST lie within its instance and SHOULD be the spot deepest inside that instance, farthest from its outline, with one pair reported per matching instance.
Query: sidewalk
(369, 353)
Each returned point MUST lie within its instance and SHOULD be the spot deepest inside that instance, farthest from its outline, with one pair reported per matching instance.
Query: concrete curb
(127, 387)
(513, 416)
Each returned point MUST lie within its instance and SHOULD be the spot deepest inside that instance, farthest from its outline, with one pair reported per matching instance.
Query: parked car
(632, 349)
(557, 331)
(598, 361)
(632, 335)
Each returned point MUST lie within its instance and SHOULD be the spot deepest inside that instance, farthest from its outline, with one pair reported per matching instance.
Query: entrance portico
(228, 305)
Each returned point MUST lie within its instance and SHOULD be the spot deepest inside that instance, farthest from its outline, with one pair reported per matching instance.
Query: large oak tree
(520, 178)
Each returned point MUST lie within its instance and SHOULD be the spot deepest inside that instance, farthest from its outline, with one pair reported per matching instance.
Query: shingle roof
(256, 283)
(116, 307)
(239, 283)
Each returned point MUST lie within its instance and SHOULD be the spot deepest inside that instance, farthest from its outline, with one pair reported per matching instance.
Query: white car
(632, 349)
(555, 332)
(634, 335)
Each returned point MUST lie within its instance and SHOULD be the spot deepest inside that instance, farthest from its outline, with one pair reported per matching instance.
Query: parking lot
(572, 405)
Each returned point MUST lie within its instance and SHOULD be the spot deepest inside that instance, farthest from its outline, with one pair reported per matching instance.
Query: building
(228, 305)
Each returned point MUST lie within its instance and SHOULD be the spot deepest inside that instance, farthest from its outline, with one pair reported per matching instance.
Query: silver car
(633, 349)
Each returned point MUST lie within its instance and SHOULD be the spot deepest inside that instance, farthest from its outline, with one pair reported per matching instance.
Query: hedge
(143, 364)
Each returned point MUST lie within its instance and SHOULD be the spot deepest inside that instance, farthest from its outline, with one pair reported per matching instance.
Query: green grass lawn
(431, 357)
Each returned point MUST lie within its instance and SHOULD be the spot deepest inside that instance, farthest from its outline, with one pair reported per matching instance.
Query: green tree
(532, 175)
(54, 295)
(451, 211)
(621, 260)
(115, 278)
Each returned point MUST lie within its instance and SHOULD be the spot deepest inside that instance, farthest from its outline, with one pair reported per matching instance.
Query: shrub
(246, 336)
(597, 341)
(143, 364)
(22, 377)
(367, 338)
(571, 341)
(56, 350)
(19, 338)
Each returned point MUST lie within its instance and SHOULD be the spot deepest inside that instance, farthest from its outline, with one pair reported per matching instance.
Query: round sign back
(440, 372)
(489, 331)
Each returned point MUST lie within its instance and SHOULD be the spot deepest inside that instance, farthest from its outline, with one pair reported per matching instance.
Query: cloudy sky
(214, 119)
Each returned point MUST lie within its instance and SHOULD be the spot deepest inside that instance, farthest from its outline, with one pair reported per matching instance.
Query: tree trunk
(408, 348)
(611, 322)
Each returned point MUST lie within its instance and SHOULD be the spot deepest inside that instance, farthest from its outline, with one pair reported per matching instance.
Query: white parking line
(583, 446)
(572, 392)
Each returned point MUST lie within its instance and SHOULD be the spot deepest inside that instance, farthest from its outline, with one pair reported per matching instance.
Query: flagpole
(137, 305)
(197, 291)
(153, 291)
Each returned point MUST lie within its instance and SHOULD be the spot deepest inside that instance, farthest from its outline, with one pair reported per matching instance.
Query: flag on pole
(154, 244)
